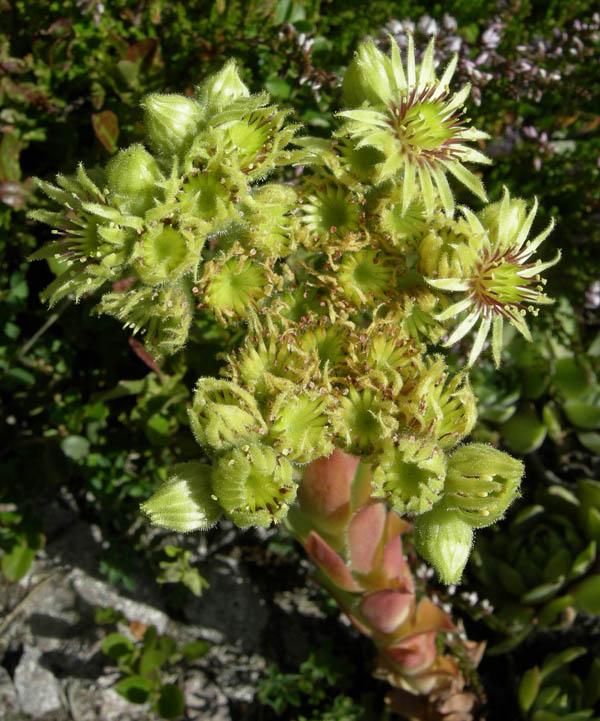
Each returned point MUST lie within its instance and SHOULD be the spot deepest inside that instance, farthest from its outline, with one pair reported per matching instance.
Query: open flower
(413, 119)
(499, 279)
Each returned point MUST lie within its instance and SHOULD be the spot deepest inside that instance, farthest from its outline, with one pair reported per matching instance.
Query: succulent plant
(540, 568)
(554, 692)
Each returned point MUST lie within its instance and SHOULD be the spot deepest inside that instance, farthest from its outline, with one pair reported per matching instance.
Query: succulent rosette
(540, 568)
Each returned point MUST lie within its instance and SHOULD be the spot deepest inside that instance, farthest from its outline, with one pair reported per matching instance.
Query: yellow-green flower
(411, 116)
(499, 279)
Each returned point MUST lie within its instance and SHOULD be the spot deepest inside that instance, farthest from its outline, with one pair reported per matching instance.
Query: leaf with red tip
(106, 127)
(364, 537)
(395, 566)
(386, 610)
(415, 654)
(330, 562)
(430, 617)
(325, 487)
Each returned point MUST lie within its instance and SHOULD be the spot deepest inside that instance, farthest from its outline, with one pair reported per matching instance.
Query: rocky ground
(256, 612)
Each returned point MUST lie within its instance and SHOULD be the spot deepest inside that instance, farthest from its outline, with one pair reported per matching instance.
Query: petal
(462, 329)
(482, 334)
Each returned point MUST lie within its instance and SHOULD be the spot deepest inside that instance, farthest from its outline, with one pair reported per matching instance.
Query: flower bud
(481, 483)
(185, 501)
(254, 485)
(171, 121)
(444, 540)
(132, 177)
(368, 78)
(221, 89)
(224, 415)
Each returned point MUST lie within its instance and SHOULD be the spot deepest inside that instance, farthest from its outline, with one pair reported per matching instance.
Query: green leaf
(590, 440)
(170, 701)
(16, 562)
(151, 660)
(106, 615)
(591, 685)
(157, 429)
(117, 646)
(278, 86)
(528, 688)
(583, 560)
(21, 375)
(552, 610)
(10, 147)
(75, 447)
(195, 649)
(281, 11)
(106, 127)
(587, 594)
(571, 377)
(524, 433)
(584, 415)
(543, 592)
(135, 689)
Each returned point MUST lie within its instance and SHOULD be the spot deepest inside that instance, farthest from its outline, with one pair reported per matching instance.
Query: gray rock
(9, 702)
(98, 593)
(38, 690)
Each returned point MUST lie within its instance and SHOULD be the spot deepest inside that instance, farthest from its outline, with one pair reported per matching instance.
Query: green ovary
(163, 254)
(423, 126)
(235, 287)
(365, 275)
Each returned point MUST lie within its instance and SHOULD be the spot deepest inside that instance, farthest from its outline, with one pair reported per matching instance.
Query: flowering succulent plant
(333, 414)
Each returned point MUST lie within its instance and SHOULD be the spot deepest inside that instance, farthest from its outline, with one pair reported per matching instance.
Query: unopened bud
(132, 177)
(481, 483)
(184, 502)
(444, 540)
(368, 77)
(221, 89)
(171, 121)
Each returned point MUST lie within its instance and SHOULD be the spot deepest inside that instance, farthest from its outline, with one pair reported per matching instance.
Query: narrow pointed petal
(397, 67)
(467, 178)
(452, 284)
(426, 74)
(526, 227)
(427, 189)
(462, 329)
(497, 332)
(410, 62)
(540, 267)
(454, 309)
(459, 99)
(408, 185)
(482, 334)
(444, 190)
(449, 71)
(531, 247)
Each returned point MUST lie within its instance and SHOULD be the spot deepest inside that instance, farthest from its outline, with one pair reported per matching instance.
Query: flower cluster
(344, 280)
(185, 218)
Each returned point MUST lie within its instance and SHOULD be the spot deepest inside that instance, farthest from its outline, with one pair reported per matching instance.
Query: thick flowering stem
(356, 543)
